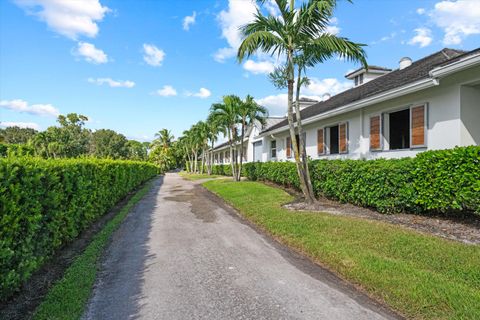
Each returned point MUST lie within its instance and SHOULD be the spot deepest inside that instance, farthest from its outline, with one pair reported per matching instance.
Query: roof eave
(462, 64)
(387, 95)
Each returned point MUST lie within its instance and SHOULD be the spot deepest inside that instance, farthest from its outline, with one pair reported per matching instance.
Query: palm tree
(300, 34)
(227, 115)
(214, 130)
(249, 112)
(164, 138)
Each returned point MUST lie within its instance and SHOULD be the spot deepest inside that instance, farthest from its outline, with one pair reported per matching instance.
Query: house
(429, 104)
(253, 150)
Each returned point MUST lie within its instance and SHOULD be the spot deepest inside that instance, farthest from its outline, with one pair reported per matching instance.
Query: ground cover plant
(46, 203)
(421, 276)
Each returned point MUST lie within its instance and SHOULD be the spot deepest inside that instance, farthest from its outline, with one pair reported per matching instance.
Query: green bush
(448, 180)
(15, 150)
(46, 203)
(445, 181)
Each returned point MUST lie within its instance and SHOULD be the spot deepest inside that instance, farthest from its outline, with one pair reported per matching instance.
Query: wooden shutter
(418, 126)
(375, 132)
(320, 141)
(289, 147)
(343, 137)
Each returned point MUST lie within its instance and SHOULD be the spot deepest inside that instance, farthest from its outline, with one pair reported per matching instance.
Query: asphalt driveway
(181, 254)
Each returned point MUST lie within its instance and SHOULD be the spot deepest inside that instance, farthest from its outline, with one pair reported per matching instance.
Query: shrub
(46, 203)
(446, 181)
(15, 150)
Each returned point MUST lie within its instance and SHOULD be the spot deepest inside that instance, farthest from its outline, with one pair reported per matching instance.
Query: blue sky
(139, 66)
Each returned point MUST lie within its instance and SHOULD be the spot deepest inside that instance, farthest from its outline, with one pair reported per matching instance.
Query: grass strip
(420, 276)
(197, 176)
(68, 297)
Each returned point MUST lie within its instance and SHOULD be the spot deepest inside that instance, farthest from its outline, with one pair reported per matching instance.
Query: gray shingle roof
(417, 71)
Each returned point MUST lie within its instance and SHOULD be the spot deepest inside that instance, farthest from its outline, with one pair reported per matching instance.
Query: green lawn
(68, 297)
(197, 176)
(421, 276)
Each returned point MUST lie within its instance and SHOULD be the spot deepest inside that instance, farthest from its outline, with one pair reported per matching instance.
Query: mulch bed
(465, 228)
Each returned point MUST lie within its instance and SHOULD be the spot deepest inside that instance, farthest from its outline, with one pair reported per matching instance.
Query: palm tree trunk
(210, 168)
(302, 143)
(203, 162)
(232, 164)
(293, 139)
(241, 151)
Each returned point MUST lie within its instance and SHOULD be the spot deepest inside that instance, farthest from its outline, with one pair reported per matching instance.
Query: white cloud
(458, 19)
(333, 27)
(188, 21)
(423, 37)
(202, 93)
(277, 104)
(35, 109)
(238, 14)
(332, 86)
(90, 53)
(153, 55)
(421, 11)
(32, 125)
(166, 91)
(68, 18)
(112, 83)
(258, 67)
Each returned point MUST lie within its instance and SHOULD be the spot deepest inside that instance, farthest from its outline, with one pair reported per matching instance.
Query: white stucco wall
(470, 115)
(446, 128)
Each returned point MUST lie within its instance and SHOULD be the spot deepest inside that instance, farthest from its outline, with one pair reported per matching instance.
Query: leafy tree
(16, 135)
(106, 143)
(70, 140)
(137, 150)
(300, 34)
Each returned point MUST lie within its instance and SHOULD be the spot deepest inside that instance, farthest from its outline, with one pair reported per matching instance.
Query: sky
(137, 66)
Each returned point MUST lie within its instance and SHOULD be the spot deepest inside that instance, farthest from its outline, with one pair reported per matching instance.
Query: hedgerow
(46, 203)
(444, 181)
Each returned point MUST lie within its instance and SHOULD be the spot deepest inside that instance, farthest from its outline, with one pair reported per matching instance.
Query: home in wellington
(429, 104)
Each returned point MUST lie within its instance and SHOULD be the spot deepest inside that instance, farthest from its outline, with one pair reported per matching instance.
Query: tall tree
(106, 143)
(215, 129)
(298, 32)
(17, 135)
(249, 112)
(70, 140)
(164, 138)
(227, 113)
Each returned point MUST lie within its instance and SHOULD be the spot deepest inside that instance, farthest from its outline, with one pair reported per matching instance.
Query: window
(290, 152)
(399, 129)
(359, 79)
(273, 149)
(333, 140)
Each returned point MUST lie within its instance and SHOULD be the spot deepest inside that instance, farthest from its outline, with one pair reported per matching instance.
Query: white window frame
(271, 149)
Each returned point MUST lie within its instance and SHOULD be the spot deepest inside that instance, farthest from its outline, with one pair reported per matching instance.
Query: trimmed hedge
(15, 150)
(445, 181)
(46, 203)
